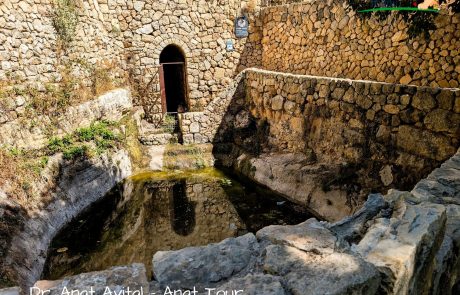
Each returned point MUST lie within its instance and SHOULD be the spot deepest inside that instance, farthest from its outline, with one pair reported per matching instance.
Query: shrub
(95, 139)
(65, 20)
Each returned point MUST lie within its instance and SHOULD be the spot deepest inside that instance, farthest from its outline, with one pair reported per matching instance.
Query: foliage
(65, 20)
(53, 98)
(419, 23)
(85, 142)
(169, 123)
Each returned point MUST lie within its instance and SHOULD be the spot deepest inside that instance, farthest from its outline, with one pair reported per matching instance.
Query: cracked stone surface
(205, 266)
(310, 273)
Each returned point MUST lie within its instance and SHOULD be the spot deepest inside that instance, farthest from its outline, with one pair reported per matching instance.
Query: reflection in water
(158, 211)
(183, 210)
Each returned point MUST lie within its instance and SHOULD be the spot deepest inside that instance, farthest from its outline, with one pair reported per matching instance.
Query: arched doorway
(173, 79)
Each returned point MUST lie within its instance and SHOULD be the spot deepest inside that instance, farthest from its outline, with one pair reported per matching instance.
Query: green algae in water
(156, 211)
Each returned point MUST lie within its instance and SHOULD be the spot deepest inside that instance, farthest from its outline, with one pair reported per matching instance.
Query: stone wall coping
(350, 81)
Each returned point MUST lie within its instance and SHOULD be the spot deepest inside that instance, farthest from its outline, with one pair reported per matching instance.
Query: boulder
(403, 247)
(311, 273)
(354, 226)
(14, 291)
(254, 284)
(207, 265)
(310, 235)
(116, 278)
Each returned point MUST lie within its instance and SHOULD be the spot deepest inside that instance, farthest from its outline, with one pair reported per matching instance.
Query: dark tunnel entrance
(173, 80)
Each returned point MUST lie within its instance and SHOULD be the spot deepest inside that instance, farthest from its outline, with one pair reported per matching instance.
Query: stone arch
(171, 41)
(173, 79)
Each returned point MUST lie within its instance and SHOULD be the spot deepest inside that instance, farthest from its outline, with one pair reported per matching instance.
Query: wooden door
(163, 90)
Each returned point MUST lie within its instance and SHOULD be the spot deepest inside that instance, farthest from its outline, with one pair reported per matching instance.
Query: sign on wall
(229, 45)
(242, 27)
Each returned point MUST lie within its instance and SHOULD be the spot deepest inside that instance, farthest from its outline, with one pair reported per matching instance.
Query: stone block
(203, 266)
(423, 101)
(310, 236)
(115, 278)
(336, 273)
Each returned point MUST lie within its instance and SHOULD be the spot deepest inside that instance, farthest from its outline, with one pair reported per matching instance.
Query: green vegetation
(420, 22)
(85, 142)
(65, 20)
(169, 123)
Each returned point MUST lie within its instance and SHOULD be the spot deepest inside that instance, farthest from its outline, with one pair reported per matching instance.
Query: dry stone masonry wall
(328, 38)
(406, 131)
(342, 118)
(200, 29)
(29, 43)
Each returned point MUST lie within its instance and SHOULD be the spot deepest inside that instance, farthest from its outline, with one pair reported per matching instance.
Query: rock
(116, 278)
(139, 5)
(310, 273)
(391, 109)
(406, 79)
(443, 121)
(424, 143)
(14, 291)
(195, 127)
(353, 227)
(423, 101)
(402, 247)
(242, 119)
(277, 103)
(298, 176)
(254, 284)
(445, 99)
(386, 175)
(145, 30)
(308, 236)
(80, 184)
(204, 266)
(444, 261)
(399, 36)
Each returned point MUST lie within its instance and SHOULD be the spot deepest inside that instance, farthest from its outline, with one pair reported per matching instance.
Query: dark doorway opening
(173, 80)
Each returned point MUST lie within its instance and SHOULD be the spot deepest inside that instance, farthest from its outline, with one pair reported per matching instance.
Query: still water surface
(164, 211)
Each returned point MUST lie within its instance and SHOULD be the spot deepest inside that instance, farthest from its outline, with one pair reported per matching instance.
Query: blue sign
(229, 45)
(242, 27)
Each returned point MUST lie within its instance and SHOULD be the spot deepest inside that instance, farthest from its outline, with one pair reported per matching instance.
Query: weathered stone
(336, 273)
(403, 253)
(443, 121)
(406, 79)
(10, 291)
(445, 99)
(423, 143)
(391, 109)
(195, 127)
(353, 226)
(277, 103)
(386, 175)
(147, 29)
(423, 101)
(310, 236)
(338, 93)
(119, 277)
(203, 266)
(254, 284)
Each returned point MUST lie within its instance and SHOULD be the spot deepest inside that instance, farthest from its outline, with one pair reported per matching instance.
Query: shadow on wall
(27, 232)
(368, 136)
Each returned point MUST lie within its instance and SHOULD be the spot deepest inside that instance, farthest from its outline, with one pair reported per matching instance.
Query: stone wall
(130, 35)
(29, 48)
(25, 132)
(328, 38)
(354, 121)
(200, 29)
